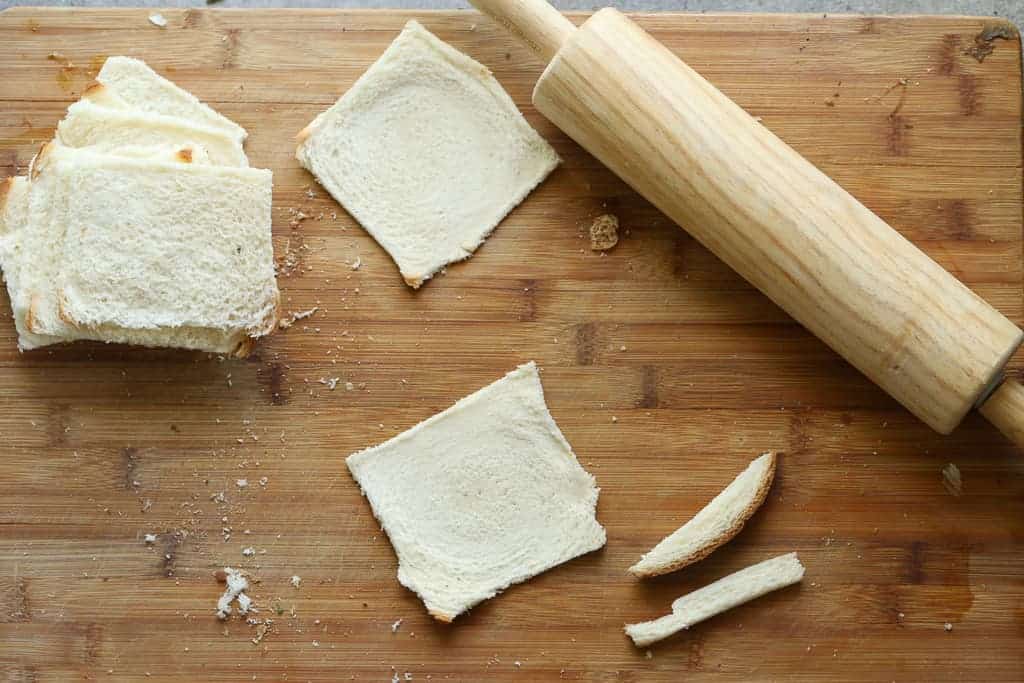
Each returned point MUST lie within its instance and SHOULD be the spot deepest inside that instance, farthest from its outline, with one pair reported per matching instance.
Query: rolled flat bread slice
(103, 129)
(481, 496)
(722, 595)
(427, 152)
(715, 525)
(142, 88)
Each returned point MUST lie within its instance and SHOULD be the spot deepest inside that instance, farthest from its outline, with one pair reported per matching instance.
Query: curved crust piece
(715, 525)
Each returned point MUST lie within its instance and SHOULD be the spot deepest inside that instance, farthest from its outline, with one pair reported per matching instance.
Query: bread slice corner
(715, 525)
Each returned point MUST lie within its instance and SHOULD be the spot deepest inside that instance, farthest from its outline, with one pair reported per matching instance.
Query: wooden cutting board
(666, 372)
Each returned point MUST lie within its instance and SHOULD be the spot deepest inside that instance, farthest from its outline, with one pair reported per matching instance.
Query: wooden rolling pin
(782, 224)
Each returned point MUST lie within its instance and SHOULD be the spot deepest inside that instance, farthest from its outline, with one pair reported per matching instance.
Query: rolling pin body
(771, 215)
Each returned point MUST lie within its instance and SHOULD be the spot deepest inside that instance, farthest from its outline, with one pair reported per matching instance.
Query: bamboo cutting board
(666, 372)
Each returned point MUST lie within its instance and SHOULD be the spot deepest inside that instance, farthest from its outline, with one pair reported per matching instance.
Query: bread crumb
(149, 539)
(356, 264)
(237, 584)
(248, 552)
(395, 626)
(948, 626)
(158, 20)
(285, 323)
(650, 655)
(296, 580)
(951, 480)
(604, 232)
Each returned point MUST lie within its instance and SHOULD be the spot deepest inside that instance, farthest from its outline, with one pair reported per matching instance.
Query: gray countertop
(1012, 9)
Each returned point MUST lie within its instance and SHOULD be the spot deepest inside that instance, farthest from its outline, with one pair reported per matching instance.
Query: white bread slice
(716, 524)
(427, 152)
(481, 496)
(13, 216)
(188, 246)
(44, 245)
(103, 129)
(142, 88)
(722, 595)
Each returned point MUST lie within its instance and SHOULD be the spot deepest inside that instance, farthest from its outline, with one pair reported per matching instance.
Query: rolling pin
(771, 215)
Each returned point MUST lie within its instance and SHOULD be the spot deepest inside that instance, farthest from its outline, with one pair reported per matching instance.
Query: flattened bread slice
(142, 88)
(716, 524)
(427, 152)
(104, 129)
(724, 594)
(481, 496)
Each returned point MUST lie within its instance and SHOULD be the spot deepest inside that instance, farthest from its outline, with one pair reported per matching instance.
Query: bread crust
(305, 133)
(30, 317)
(441, 616)
(39, 161)
(6, 185)
(717, 542)
(93, 90)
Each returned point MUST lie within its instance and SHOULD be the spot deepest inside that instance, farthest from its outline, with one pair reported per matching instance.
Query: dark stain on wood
(960, 220)
(695, 651)
(915, 563)
(528, 309)
(191, 18)
(949, 54)
(57, 427)
(648, 388)
(275, 378)
(93, 643)
(230, 48)
(897, 137)
(968, 94)
(130, 463)
(586, 343)
(170, 544)
(20, 609)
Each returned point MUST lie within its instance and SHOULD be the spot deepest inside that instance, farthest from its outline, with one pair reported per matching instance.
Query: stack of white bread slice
(140, 223)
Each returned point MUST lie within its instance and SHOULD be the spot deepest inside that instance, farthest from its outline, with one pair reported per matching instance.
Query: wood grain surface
(101, 445)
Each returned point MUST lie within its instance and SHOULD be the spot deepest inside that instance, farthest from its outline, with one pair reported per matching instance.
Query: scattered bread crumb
(948, 626)
(395, 626)
(296, 580)
(285, 323)
(248, 552)
(604, 232)
(158, 20)
(149, 539)
(951, 480)
(241, 483)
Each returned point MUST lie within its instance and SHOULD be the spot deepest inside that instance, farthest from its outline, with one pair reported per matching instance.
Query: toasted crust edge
(443, 617)
(306, 133)
(714, 544)
(6, 185)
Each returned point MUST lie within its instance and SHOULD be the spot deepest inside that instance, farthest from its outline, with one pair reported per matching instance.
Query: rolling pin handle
(1005, 409)
(535, 22)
